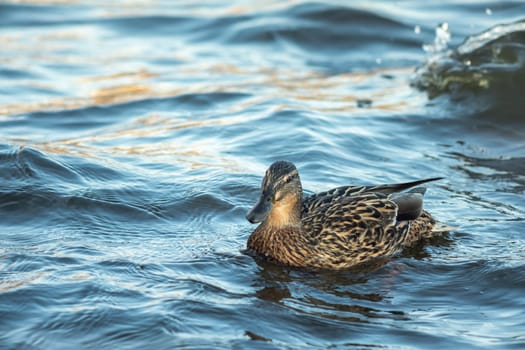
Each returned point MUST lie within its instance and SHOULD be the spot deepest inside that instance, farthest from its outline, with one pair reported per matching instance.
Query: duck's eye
(289, 178)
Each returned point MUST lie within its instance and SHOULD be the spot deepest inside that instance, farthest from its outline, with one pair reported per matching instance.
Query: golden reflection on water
(21, 280)
(149, 134)
(87, 49)
(98, 74)
(140, 137)
(121, 93)
(141, 74)
(310, 88)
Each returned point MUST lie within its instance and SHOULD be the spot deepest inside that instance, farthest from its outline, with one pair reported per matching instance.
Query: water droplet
(443, 33)
(417, 29)
(488, 11)
(441, 40)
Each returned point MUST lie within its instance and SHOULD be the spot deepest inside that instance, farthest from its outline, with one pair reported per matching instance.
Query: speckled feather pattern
(342, 228)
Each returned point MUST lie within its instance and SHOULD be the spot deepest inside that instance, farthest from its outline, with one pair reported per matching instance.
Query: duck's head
(281, 194)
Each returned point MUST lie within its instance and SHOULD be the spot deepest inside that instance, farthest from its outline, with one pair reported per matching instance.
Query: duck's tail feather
(440, 228)
(409, 204)
(393, 188)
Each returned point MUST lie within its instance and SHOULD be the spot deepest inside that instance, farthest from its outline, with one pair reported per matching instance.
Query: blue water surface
(133, 139)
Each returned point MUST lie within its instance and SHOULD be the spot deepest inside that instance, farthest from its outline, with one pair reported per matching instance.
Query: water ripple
(133, 139)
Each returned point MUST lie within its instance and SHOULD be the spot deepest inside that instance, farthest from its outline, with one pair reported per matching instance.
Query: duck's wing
(356, 212)
(338, 194)
(356, 229)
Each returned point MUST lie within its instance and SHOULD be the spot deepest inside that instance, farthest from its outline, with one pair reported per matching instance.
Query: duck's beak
(261, 209)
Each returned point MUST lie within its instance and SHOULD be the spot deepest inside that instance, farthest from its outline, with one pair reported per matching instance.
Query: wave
(40, 187)
(315, 26)
(486, 71)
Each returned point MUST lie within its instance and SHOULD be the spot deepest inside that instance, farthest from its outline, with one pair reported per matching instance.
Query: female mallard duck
(335, 229)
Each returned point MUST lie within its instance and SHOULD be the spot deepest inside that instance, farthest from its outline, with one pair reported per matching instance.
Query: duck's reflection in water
(357, 295)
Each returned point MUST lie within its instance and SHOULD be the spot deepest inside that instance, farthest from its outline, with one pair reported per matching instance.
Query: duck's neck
(280, 237)
(287, 213)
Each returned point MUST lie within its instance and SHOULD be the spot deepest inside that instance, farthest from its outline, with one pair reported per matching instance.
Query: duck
(336, 229)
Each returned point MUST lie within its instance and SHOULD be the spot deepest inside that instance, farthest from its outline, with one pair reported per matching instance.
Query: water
(133, 137)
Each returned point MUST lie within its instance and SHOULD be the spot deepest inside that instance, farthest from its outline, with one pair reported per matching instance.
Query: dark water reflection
(133, 138)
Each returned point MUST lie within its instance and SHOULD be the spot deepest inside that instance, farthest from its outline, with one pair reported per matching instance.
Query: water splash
(494, 59)
(440, 43)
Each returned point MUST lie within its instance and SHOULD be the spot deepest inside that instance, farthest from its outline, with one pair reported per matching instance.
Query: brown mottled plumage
(335, 229)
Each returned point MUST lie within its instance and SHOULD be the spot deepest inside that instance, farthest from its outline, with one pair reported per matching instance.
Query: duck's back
(355, 224)
(339, 194)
